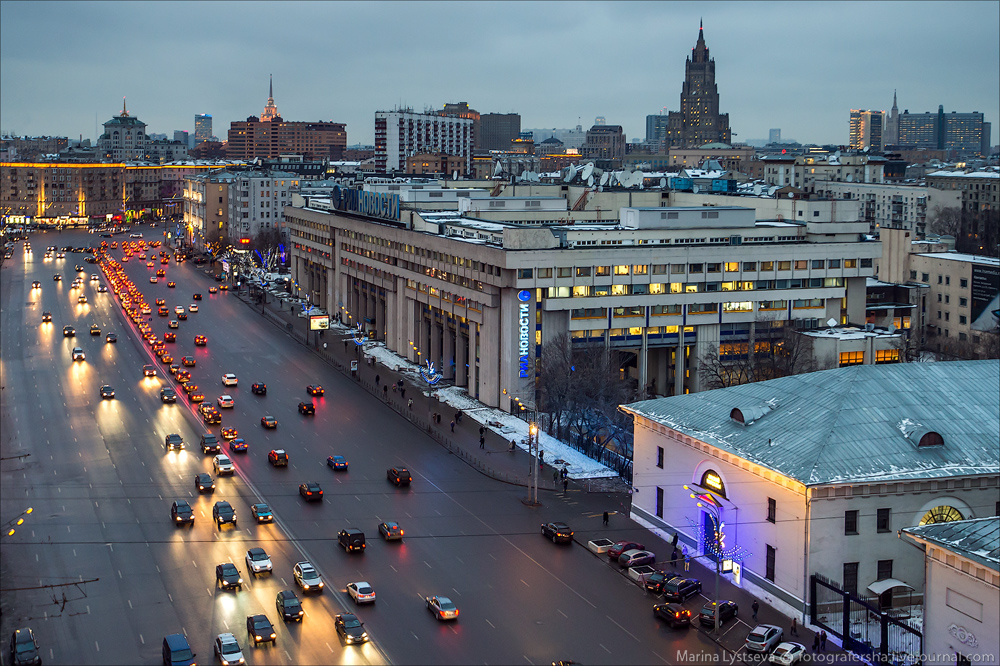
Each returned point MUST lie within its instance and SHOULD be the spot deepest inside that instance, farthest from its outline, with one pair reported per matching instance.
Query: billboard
(985, 299)
(319, 322)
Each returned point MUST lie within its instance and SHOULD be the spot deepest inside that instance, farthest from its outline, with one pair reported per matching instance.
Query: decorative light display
(430, 374)
(358, 335)
(714, 540)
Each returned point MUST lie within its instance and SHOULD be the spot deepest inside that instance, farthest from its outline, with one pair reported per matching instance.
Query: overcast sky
(800, 67)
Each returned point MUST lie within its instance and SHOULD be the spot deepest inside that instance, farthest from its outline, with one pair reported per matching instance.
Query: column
(461, 356)
(447, 369)
(473, 352)
(435, 349)
(679, 366)
(643, 360)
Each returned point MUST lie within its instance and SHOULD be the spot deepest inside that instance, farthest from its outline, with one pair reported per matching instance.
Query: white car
(258, 561)
(223, 465)
(193, 307)
(178, 309)
(763, 638)
(227, 649)
(152, 279)
(361, 592)
(226, 401)
(94, 277)
(307, 577)
(229, 379)
(788, 653)
(78, 354)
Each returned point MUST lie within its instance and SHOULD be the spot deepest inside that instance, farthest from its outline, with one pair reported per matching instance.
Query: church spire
(270, 86)
(124, 110)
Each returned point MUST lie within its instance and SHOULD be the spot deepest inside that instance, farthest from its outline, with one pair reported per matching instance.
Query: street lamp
(533, 438)
(716, 513)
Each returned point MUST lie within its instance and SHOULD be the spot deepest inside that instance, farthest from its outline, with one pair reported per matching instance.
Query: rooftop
(859, 424)
(978, 540)
(958, 256)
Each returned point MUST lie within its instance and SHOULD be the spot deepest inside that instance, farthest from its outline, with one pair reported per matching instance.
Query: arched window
(941, 514)
(713, 481)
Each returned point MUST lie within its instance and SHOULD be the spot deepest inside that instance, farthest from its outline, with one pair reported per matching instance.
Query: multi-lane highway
(101, 483)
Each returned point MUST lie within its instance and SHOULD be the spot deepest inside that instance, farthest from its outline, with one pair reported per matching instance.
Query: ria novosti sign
(373, 204)
(523, 333)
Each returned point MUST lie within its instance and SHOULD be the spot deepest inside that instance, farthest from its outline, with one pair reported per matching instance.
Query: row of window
(682, 269)
(693, 308)
(858, 357)
(941, 279)
(655, 288)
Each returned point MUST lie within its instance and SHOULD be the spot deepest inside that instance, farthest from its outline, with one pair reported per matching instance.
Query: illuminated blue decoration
(713, 541)
(359, 335)
(430, 375)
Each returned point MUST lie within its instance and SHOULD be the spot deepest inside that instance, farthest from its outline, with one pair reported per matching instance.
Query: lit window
(851, 358)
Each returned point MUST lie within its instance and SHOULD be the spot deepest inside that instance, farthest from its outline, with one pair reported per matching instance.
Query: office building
(866, 130)
(656, 130)
(257, 201)
(815, 474)
(979, 230)
(402, 133)
(497, 131)
(202, 128)
(605, 142)
(699, 121)
(774, 136)
(967, 134)
(892, 205)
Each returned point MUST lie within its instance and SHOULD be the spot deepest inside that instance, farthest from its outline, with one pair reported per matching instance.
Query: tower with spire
(270, 110)
(124, 138)
(699, 121)
(890, 133)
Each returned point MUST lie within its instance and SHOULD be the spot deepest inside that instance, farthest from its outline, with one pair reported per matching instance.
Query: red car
(616, 550)
(314, 390)
(200, 340)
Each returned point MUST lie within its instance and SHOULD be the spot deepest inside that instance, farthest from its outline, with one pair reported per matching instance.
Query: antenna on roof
(831, 322)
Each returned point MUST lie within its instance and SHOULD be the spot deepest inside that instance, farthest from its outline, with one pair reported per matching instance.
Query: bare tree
(555, 380)
(945, 221)
(774, 349)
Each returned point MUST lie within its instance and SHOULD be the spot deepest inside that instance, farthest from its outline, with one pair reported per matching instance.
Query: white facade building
(401, 134)
(888, 205)
(257, 201)
(816, 473)
(124, 138)
(962, 583)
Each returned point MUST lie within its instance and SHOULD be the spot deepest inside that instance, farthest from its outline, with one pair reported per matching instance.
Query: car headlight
(305, 586)
(319, 584)
(240, 581)
(272, 636)
(257, 638)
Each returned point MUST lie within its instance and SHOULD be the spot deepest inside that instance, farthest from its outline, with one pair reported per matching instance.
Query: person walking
(686, 558)
(795, 627)
(822, 641)
(453, 425)
(565, 485)
(513, 445)
(377, 377)
(755, 607)
(673, 558)
(482, 430)
(402, 393)
(815, 642)
(605, 518)
(385, 392)
(482, 441)
(409, 403)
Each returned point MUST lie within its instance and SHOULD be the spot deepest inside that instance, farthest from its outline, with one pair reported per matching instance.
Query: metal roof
(855, 424)
(978, 539)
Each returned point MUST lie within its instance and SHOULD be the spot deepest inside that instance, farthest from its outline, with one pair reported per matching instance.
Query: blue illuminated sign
(523, 332)
(374, 204)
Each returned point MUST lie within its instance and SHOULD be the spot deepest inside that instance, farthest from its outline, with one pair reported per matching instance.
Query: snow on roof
(963, 174)
(977, 539)
(958, 256)
(842, 425)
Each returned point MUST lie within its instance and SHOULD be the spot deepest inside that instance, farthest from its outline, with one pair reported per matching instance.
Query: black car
(674, 614)
(173, 441)
(260, 630)
(400, 476)
(223, 512)
(46, 316)
(107, 392)
(351, 628)
(352, 540)
(228, 576)
(204, 483)
(259, 388)
(558, 532)
(167, 394)
(181, 512)
(210, 443)
(311, 491)
(197, 297)
(679, 589)
(307, 408)
(24, 648)
(69, 331)
(655, 581)
(727, 611)
(289, 607)
(111, 337)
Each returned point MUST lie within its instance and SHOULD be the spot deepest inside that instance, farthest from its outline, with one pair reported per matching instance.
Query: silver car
(763, 638)
(307, 577)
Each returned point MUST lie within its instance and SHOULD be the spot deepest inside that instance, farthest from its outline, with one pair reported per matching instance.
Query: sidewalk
(592, 487)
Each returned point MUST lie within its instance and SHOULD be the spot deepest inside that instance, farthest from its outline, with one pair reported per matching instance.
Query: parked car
(680, 589)
(764, 638)
(788, 653)
(620, 547)
(727, 611)
(558, 532)
(633, 558)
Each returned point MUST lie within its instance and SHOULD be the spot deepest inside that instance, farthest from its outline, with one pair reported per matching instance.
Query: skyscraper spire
(270, 87)
(124, 110)
(270, 110)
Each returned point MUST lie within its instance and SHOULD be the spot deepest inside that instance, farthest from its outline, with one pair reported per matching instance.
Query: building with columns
(481, 299)
(699, 121)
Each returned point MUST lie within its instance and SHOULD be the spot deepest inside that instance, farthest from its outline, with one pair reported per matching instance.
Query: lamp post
(716, 514)
(533, 438)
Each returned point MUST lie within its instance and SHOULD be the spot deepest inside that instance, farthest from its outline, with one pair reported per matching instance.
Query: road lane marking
(563, 614)
(129, 603)
(605, 649)
(97, 645)
(525, 584)
(623, 628)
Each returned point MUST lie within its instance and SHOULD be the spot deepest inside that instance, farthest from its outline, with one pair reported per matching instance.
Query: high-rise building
(124, 138)
(656, 129)
(270, 137)
(497, 131)
(866, 130)
(890, 132)
(462, 110)
(605, 142)
(699, 121)
(965, 133)
(182, 136)
(202, 127)
(401, 134)
(774, 135)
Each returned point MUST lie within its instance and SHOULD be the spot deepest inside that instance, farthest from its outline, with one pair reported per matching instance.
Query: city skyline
(556, 64)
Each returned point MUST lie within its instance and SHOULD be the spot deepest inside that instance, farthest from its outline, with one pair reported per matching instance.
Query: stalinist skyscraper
(699, 121)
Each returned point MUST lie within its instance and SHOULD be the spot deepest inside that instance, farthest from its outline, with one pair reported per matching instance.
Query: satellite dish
(663, 182)
(695, 189)
(791, 195)
(600, 188)
(497, 169)
(454, 174)
(831, 322)
(604, 178)
(570, 173)
(588, 171)
(590, 181)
